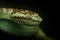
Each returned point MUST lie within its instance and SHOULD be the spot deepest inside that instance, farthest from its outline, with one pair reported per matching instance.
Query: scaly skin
(21, 22)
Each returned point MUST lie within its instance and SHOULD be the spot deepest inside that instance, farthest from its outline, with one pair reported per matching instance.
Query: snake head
(26, 17)
(21, 16)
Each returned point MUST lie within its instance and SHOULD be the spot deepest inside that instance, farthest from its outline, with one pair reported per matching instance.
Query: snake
(21, 22)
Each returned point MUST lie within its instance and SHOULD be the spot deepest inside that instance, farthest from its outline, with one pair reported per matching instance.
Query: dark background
(41, 7)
